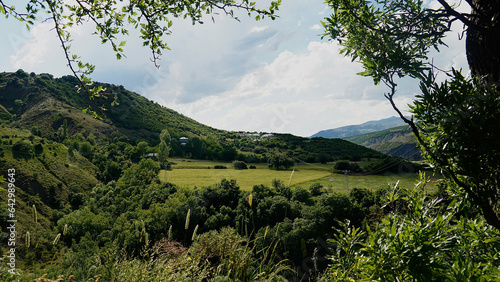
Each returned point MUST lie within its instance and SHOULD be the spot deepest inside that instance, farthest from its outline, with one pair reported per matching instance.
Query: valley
(144, 177)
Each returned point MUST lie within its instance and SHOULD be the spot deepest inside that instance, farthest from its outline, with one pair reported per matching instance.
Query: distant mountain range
(389, 136)
(354, 130)
(397, 141)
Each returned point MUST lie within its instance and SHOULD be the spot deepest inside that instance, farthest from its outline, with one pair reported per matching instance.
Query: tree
(112, 18)
(163, 152)
(164, 147)
(454, 120)
(165, 136)
(240, 165)
(279, 161)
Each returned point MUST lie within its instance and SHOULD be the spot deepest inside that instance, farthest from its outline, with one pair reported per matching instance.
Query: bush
(240, 165)
(220, 167)
(315, 189)
(346, 165)
(23, 148)
(300, 194)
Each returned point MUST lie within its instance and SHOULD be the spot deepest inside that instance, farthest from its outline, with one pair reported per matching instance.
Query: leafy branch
(112, 18)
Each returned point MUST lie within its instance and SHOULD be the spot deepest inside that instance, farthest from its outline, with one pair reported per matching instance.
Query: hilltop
(359, 129)
(31, 99)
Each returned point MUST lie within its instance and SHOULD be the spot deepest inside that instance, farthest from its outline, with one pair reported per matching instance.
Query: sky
(263, 76)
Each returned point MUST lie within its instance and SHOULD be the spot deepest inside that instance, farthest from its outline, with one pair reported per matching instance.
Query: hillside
(326, 150)
(354, 130)
(397, 141)
(31, 99)
(49, 104)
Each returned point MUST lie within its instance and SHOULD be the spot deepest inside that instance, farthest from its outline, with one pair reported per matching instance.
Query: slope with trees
(397, 141)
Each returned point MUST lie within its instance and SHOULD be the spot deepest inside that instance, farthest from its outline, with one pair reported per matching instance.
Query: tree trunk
(483, 40)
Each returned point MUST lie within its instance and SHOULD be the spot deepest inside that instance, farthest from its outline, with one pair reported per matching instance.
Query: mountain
(397, 141)
(44, 101)
(48, 104)
(367, 127)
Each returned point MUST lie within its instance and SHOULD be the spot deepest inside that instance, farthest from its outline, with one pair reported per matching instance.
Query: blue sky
(265, 76)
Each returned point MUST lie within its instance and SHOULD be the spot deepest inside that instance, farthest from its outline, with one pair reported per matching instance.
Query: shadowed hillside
(397, 141)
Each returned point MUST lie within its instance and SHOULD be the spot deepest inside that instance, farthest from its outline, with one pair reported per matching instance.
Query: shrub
(346, 165)
(300, 194)
(240, 165)
(315, 189)
(23, 148)
(220, 167)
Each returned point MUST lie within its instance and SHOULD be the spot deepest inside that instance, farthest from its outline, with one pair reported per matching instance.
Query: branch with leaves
(113, 18)
(454, 121)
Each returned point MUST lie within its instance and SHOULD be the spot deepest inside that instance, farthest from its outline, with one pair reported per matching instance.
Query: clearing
(199, 173)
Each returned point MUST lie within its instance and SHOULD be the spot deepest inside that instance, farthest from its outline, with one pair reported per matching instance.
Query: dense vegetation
(89, 204)
(129, 217)
(118, 230)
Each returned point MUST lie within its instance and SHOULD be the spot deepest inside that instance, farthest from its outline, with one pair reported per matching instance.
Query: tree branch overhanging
(60, 33)
(487, 209)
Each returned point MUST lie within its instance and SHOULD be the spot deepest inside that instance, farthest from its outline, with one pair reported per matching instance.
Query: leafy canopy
(112, 18)
(388, 37)
(453, 120)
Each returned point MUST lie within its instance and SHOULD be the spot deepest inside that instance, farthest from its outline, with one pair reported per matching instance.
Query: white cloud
(258, 29)
(256, 76)
(316, 27)
(37, 53)
(299, 93)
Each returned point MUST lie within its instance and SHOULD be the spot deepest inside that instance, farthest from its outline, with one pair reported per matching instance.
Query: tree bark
(483, 40)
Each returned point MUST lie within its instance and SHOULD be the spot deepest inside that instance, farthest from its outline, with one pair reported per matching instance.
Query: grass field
(193, 173)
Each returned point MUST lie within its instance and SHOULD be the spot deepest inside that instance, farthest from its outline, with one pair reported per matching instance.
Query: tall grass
(216, 256)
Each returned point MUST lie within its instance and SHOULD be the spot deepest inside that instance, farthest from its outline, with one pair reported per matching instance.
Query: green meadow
(194, 173)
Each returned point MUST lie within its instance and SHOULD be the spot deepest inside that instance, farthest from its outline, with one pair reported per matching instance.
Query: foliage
(454, 120)
(23, 148)
(459, 118)
(280, 161)
(240, 165)
(384, 43)
(421, 240)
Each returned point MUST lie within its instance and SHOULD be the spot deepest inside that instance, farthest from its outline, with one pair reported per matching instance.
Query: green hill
(34, 99)
(396, 141)
(47, 103)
